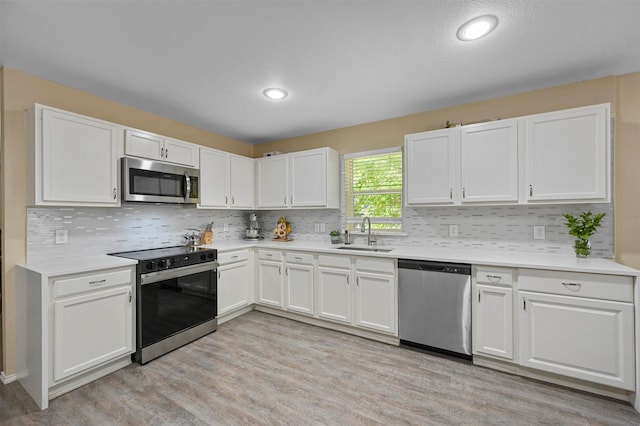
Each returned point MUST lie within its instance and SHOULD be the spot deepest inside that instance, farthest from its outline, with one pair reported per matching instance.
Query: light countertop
(558, 262)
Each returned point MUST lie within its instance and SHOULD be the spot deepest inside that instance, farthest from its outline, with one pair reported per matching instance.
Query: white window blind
(373, 187)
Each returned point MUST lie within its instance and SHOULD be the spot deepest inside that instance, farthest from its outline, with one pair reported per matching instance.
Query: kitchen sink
(375, 249)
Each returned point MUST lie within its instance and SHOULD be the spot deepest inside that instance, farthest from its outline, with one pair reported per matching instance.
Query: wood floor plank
(264, 369)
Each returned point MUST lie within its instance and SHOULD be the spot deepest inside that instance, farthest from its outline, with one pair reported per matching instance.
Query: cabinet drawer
(301, 258)
(334, 261)
(274, 255)
(493, 276)
(65, 287)
(385, 266)
(595, 286)
(233, 256)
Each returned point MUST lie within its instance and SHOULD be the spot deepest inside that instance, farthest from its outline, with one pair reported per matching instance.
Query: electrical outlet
(322, 228)
(453, 231)
(226, 227)
(62, 236)
(317, 227)
(539, 232)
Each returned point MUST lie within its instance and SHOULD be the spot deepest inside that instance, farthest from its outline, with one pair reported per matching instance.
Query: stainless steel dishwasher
(434, 306)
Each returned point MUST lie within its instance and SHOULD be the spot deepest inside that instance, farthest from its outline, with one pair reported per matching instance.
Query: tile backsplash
(142, 226)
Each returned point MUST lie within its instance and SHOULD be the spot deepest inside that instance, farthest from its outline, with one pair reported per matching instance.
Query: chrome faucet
(370, 240)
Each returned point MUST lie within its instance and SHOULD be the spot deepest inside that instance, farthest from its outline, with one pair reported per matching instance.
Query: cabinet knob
(451, 193)
(166, 153)
(530, 190)
(464, 195)
(161, 152)
(572, 286)
(115, 193)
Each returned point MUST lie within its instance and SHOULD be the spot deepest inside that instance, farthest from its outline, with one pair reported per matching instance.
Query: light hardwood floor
(263, 369)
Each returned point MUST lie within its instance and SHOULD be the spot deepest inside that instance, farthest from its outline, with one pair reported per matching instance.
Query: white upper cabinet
(271, 181)
(242, 182)
(214, 178)
(305, 179)
(139, 143)
(226, 180)
(568, 155)
(489, 162)
(72, 159)
(432, 161)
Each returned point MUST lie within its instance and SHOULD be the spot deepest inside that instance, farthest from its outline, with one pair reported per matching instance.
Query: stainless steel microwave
(154, 182)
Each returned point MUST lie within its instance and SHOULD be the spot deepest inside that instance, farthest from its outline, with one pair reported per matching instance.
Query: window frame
(352, 222)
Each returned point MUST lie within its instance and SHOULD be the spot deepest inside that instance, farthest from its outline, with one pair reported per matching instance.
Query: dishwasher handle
(444, 267)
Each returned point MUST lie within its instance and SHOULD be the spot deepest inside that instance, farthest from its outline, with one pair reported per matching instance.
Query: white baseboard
(7, 379)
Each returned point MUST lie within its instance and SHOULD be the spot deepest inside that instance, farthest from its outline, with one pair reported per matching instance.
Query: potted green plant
(335, 236)
(582, 227)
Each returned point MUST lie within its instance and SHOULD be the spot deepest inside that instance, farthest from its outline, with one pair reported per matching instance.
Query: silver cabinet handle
(357, 281)
(291, 200)
(234, 257)
(226, 199)
(299, 259)
(572, 286)
(269, 255)
(115, 193)
(280, 270)
(464, 195)
(286, 271)
(451, 193)
(219, 274)
(130, 296)
(478, 296)
(166, 153)
(347, 279)
(233, 200)
(494, 278)
(285, 200)
(98, 282)
(524, 304)
(530, 190)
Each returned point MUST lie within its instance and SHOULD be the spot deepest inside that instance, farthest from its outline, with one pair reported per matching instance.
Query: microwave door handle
(187, 191)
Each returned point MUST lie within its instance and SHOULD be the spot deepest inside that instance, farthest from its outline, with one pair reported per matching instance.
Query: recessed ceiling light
(275, 93)
(477, 27)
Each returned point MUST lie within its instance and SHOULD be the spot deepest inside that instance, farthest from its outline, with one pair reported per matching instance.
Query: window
(373, 187)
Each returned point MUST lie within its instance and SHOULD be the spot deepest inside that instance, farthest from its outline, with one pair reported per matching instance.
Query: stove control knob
(149, 266)
(162, 263)
(203, 256)
(211, 256)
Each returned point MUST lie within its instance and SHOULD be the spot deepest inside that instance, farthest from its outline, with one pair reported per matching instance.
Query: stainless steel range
(176, 298)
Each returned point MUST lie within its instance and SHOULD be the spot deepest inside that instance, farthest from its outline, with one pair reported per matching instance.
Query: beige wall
(20, 91)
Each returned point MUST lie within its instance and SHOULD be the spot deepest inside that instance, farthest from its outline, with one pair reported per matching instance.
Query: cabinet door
(271, 181)
(489, 162)
(91, 329)
(79, 160)
(432, 167)
(242, 182)
(299, 280)
(334, 294)
(493, 321)
(234, 287)
(143, 144)
(214, 178)
(587, 339)
(375, 301)
(180, 152)
(308, 178)
(567, 155)
(270, 283)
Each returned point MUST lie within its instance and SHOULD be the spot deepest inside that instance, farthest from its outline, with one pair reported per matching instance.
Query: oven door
(174, 302)
(150, 181)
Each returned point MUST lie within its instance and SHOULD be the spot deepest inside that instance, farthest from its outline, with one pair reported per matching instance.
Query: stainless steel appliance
(434, 306)
(176, 298)
(155, 182)
(253, 232)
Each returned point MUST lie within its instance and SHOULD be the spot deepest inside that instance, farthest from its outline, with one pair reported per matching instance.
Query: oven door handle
(167, 274)
(187, 187)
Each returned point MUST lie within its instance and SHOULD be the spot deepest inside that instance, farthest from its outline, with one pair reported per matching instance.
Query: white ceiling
(206, 62)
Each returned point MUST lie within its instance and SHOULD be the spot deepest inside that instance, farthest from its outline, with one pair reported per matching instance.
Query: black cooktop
(159, 253)
(158, 259)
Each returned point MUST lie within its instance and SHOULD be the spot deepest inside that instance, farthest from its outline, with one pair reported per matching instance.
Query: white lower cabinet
(334, 288)
(359, 291)
(492, 312)
(375, 294)
(270, 278)
(299, 282)
(578, 331)
(234, 281)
